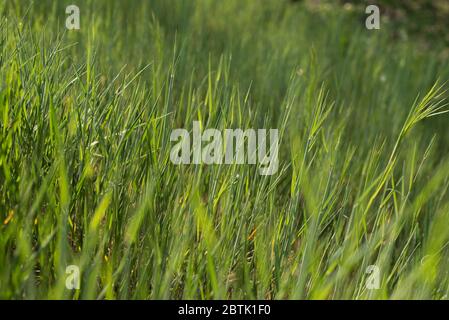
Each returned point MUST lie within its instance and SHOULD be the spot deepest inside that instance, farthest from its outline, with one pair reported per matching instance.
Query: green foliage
(85, 121)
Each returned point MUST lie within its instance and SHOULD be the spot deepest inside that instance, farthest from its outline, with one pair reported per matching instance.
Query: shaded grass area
(86, 178)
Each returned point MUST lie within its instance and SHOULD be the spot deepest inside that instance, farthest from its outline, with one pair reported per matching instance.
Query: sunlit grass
(86, 177)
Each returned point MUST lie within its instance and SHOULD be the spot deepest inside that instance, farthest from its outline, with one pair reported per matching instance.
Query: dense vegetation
(86, 179)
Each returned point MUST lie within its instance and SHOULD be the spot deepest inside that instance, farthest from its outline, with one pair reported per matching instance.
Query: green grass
(86, 179)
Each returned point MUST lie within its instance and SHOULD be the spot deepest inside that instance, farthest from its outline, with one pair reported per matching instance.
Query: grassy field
(86, 177)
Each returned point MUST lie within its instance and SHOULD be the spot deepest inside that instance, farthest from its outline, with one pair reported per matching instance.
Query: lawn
(357, 208)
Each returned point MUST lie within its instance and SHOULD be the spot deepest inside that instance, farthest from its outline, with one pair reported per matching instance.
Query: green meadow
(86, 178)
